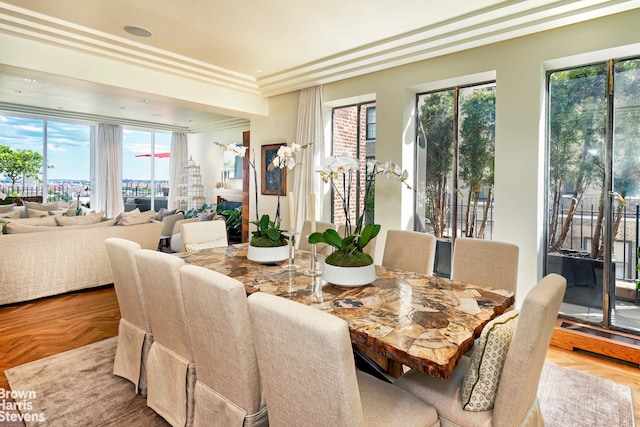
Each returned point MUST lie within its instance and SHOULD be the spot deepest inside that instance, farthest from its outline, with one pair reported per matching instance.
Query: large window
(352, 128)
(594, 189)
(145, 170)
(63, 150)
(63, 153)
(455, 161)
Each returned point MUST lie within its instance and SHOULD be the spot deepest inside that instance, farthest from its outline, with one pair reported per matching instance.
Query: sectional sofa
(42, 260)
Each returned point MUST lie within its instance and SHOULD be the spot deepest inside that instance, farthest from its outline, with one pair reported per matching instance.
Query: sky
(68, 147)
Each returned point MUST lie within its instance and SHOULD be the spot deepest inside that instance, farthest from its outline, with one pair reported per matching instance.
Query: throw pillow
(164, 212)
(121, 215)
(10, 215)
(67, 221)
(36, 213)
(6, 208)
(35, 206)
(57, 213)
(47, 221)
(141, 218)
(106, 223)
(481, 380)
(194, 247)
(17, 228)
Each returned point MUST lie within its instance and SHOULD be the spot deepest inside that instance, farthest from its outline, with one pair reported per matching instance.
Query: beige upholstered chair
(410, 251)
(170, 368)
(203, 235)
(308, 372)
(134, 329)
(176, 240)
(227, 389)
(516, 403)
(485, 262)
(369, 249)
(306, 230)
(168, 223)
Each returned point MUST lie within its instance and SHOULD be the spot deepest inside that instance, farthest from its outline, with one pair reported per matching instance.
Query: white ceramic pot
(270, 255)
(349, 276)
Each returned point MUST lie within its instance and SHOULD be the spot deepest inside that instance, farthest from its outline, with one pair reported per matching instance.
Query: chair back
(523, 365)
(171, 373)
(410, 251)
(203, 235)
(306, 363)
(160, 280)
(126, 281)
(306, 230)
(223, 351)
(485, 262)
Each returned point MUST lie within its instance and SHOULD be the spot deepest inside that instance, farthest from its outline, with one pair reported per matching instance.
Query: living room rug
(77, 388)
(570, 398)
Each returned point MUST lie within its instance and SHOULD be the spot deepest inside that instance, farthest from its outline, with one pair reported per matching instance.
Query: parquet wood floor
(33, 330)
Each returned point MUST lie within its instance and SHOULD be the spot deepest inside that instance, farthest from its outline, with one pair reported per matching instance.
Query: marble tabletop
(426, 323)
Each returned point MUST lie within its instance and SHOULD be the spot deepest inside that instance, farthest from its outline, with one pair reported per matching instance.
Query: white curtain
(108, 191)
(176, 164)
(309, 131)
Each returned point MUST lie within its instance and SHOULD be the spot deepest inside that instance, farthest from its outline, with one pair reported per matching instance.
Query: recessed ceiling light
(144, 101)
(137, 31)
(29, 80)
(17, 92)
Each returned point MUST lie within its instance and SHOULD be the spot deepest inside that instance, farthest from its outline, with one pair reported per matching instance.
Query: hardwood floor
(33, 330)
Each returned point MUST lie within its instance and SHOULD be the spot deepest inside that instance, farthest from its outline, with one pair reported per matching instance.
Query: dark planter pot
(584, 278)
(442, 263)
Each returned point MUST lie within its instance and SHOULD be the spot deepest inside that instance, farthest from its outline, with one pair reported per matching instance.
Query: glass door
(624, 196)
(594, 184)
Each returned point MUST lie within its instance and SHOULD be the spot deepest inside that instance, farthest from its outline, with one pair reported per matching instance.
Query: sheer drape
(108, 191)
(309, 131)
(176, 163)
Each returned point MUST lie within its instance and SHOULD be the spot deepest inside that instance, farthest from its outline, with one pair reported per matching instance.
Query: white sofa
(63, 259)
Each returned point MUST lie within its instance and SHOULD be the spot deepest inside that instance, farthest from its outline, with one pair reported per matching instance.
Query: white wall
(278, 127)
(210, 157)
(519, 68)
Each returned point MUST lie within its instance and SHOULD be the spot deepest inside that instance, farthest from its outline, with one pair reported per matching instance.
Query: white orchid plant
(349, 248)
(268, 232)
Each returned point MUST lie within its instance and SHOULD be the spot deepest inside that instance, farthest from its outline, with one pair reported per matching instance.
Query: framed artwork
(271, 178)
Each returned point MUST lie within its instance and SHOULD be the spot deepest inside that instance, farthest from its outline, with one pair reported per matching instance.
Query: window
(455, 132)
(371, 123)
(63, 146)
(145, 170)
(350, 129)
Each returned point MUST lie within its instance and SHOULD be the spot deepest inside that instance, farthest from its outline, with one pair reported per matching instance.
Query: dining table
(423, 322)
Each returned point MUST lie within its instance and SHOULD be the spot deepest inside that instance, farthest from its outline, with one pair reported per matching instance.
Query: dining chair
(410, 251)
(485, 262)
(170, 368)
(369, 249)
(516, 403)
(200, 235)
(303, 243)
(308, 374)
(134, 330)
(227, 390)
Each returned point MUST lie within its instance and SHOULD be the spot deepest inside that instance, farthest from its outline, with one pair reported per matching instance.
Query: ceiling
(254, 47)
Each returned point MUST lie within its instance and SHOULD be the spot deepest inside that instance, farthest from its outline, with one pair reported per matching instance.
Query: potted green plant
(348, 264)
(268, 244)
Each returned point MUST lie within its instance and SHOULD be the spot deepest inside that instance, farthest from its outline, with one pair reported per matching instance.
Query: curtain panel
(108, 189)
(177, 161)
(309, 131)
